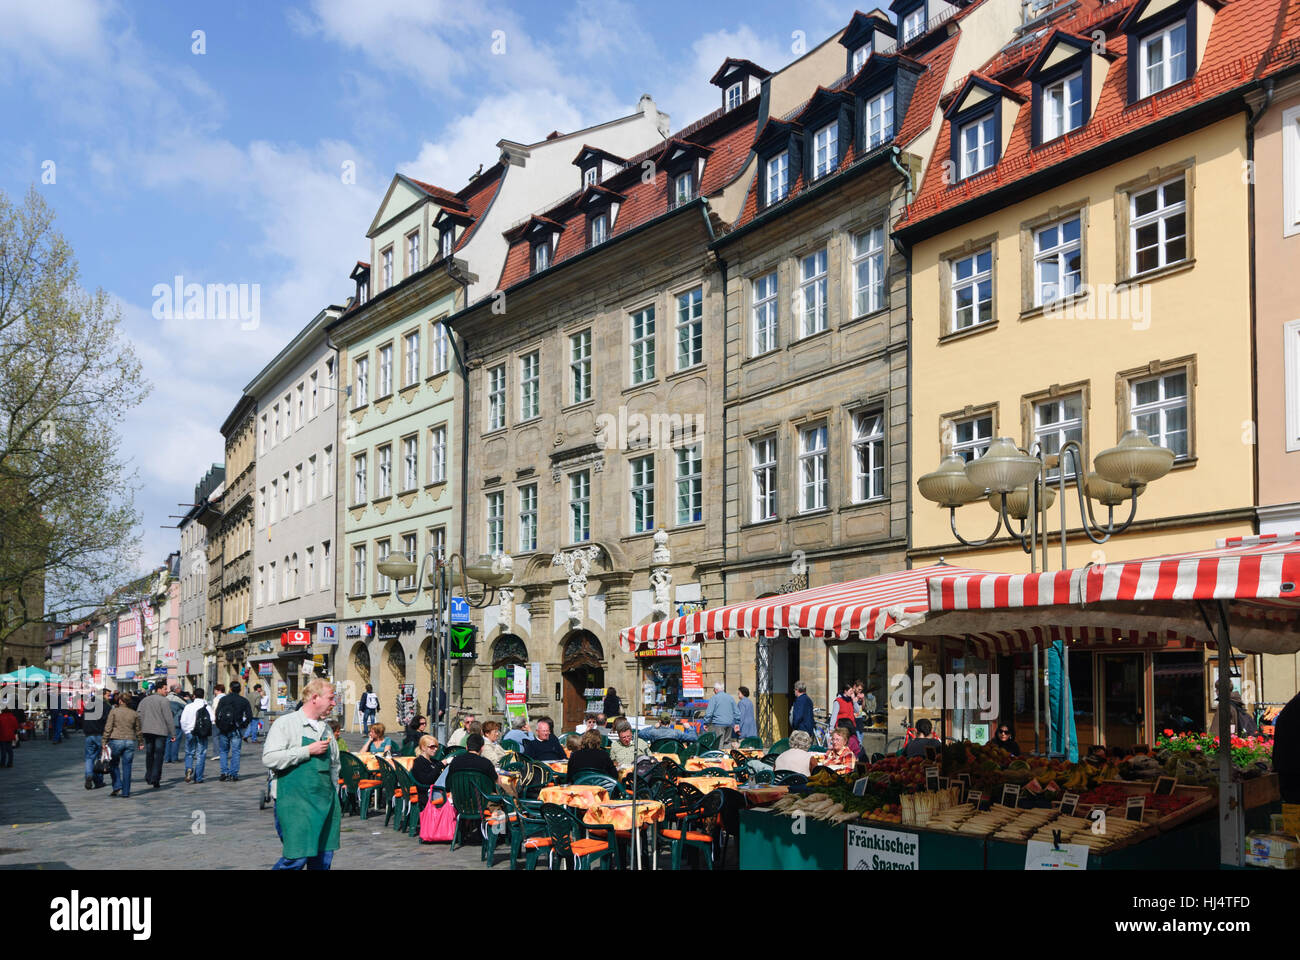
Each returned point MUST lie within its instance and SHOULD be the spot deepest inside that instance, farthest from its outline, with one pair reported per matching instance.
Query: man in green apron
(304, 755)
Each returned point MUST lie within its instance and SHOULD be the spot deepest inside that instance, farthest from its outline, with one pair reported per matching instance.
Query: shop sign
(358, 630)
(663, 647)
(692, 672)
(169, 656)
(870, 848)
(264, 668)
(395, 628)
(459, 610)
(327, 633)
(295, 638)
(1043, 855)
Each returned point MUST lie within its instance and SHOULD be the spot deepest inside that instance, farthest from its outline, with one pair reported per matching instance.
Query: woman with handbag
(123, 735)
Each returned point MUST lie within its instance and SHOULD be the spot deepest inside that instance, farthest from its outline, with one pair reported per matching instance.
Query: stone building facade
(236, 539)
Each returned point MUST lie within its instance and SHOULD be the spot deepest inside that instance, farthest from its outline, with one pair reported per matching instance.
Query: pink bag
(438, 821)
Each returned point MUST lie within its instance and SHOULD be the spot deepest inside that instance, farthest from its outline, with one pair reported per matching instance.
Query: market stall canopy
(1147, 601)
(859, 609)
(30, 675)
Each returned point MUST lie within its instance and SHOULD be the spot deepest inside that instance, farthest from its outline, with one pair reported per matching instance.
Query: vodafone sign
(295, 638)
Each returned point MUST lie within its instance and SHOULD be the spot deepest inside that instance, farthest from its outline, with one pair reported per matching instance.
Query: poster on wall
(692, 671)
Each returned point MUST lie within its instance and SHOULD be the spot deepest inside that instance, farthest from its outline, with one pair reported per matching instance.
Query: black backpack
(202, 723)
(229, 714)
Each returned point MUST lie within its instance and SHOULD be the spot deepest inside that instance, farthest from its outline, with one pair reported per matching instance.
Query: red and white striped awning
(860, 609)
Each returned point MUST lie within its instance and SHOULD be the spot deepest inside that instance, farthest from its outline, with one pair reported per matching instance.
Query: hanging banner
(692, 671)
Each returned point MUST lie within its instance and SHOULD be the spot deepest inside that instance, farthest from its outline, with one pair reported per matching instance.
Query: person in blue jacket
(801, 713)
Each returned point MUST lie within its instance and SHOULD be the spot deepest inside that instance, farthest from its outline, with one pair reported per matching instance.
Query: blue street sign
(459, 610)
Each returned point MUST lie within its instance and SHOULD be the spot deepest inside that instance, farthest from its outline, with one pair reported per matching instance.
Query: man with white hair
(302, 751)
(721, 716)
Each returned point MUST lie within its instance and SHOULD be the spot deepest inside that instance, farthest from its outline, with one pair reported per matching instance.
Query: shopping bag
(438, 821)
(105, 762)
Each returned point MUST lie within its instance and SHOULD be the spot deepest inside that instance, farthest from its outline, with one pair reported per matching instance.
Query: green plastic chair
(468, 789)
(414, 796)
(352, 772)
(692, 829)
(751, 743)
(585, 853)
(601, 780)
(706, 742)
(781, 746)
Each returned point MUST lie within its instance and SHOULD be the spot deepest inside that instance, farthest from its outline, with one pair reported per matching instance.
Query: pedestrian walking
(196, 724)
(175, 746)
(8, 737)
(369, 706)
(305, 759)
(232, 718)
(218, 692)
(721, 715)
(93, 726)
(156, 722)
(255, 706)
(124, 736)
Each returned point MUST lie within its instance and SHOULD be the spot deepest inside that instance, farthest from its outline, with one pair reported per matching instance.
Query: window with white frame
(497, 397)
(385, 458)
(971, 436)
(530, 365)
(690, 328)
(275, 424)
(977, 145)
(261, 509)
(496, 523)
(312, 401)
(440, 347)
(642, 488)
(385, 370)
(1291, 171)
(880, 118)
(271, 583)
(359, 478)
(762, 468)
(438, 454)
(812, 293)
(412, 252)
(284, 490)
(261, 445)
(683, 187)
(273, 505)
(359, 569)
(1058, 420)
(410, 547)
(765, 313)
(690, 485)
(327, 472)
(1058, 261)
(541, 256)
(778, 176)
(447, 242)
(1062, 106)
(411, 374)
(261, 586)
(309, 568)
(301, 407)
(438, 541)
(913, 24)
(814, 485)
(382, 549)
(826, 149)
(868, 271)
(410, 462)
(972, 289)
(311, 480)
(868, 455)
(643, 345)
(591, 175)
(580, 506)
(387, 262)
(288, 415)
(528, 518)
(599, 228)
(735, 95)
(1162, 59)
(1158, 407)
(329, 383)
(297, 488)
(580, 366)
(361, 380)
(325, 566)
(1158, 226)
(860, 56)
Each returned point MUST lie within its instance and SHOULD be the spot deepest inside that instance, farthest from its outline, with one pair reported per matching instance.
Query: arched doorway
(581, 669)
(403, 700)
(508, 652)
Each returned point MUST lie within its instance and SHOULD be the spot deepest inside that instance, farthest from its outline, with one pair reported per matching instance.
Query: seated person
(335, 729)
(492, 748)
(591, 756)
(664, 730)
(924, 742)
(519, 731)
(1006, 741)
(622, 751)
(797, 759)
(417, 728)
(472, 759)
(377, 742)
(544, 746)
(851, 741)
(571, 743)
(839, 754)
(426, 770)
(457, 738)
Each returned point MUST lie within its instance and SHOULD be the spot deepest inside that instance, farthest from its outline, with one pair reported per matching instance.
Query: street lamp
(492, 572)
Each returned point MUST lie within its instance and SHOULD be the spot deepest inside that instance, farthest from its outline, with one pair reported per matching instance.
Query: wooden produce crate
(1202, 800)
(1260, 791)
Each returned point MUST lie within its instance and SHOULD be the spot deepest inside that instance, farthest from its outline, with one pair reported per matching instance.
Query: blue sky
(225, 166)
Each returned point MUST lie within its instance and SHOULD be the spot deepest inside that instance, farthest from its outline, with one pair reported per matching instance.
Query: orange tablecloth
(709, 784)
(667, 756)
(755, 795)
(583, 795)
(754, 753)
(558, 766)
(704, 763)
(618, 813)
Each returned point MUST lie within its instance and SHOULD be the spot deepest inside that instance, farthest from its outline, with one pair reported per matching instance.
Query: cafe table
(372, 762)
(581, 795)
(618, 814)
(709, 784)
(710, 763)
(756, 794)
(667, 756)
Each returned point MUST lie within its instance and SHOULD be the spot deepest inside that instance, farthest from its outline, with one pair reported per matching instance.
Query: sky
(250, 142)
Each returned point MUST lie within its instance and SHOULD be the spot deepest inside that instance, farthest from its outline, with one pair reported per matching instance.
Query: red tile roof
(1249, 39)
(477, 196)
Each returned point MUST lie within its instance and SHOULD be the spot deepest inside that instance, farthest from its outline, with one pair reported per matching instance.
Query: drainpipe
(907, 255)
(1251, 121)
(449, 265)
(722, 265)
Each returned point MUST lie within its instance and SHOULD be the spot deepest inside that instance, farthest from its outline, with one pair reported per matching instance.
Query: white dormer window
(1163, 59)
(541, 256)
(778, 177)
(735, 95)
(684, 188)
(599, 229)
(447, 242)
(880, 119)
(413, 253)
(977, 146)
(590, 175)
(363, 292)
(860, 56)
(388, 268)
(826, 147)
(1062, 106)
(913, 24)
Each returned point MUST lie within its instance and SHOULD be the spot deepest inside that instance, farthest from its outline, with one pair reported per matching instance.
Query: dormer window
(590, 176)
(978, 150)
(826, 142)
(684, 188)
(388, 267)
(860, 56)
(735, 95)
(880, 118)
(599, 228)
(1162, 59)
(447, 242)
(363, 291)
(913, 24)
(1062, 106)
(778, 177)
(541, 256)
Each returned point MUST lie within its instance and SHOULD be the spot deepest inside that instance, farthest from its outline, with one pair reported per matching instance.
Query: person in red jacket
(8, 734)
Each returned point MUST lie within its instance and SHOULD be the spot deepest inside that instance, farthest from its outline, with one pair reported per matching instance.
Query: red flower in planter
(1169, 733)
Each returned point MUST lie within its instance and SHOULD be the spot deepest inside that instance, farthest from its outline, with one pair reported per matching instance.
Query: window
(363, 291)
(599, 229)
(580, 366)
(311, 480)
(528, 518)
(642, 487)
(438, 454)
(913, 24)
(735, 95)
(292, 590)
(309, 583)
(261, 586)
(1291, 172)
(541, 256)
(497, 397)
(385, 471)
(329, 381)
(530, 385)
(361, 378)
(359, 478)
(1056, 421)
(271, 583)
(261, 444)
(412, 372)
(284, 488)
(880, 119)
(273, 506)
(440, 347)
(311, 398)
(288, 415)
(762, 457)
(868, 271)
(860, 56)
(765, 289)
(496, 519)
(690, 328)
(972, 290)
(412, 550)
(438, 541)
(812, 293)
(826, 145)
(301, 406)
(590, 176)
(410, 462)
(261, 508)
(1162, 59)
(297, 488)
(580, 506)
(275, 424)
(387, 260)
(1062, 106)
(359, 569)
(447, 242)
(643, 345)
(778, 177)
(972, 436)
(690, 485)
(325, 567)
(1158, 407)
(385, 370)
(327, 473)
(813, 483)
(868, 455)
(977, 145)
(412, 252)
(1058, 261)
(683, 188)
(382, 549)
(1158, 226)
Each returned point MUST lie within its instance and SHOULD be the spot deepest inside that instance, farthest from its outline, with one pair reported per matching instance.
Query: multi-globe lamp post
(1014, 483)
